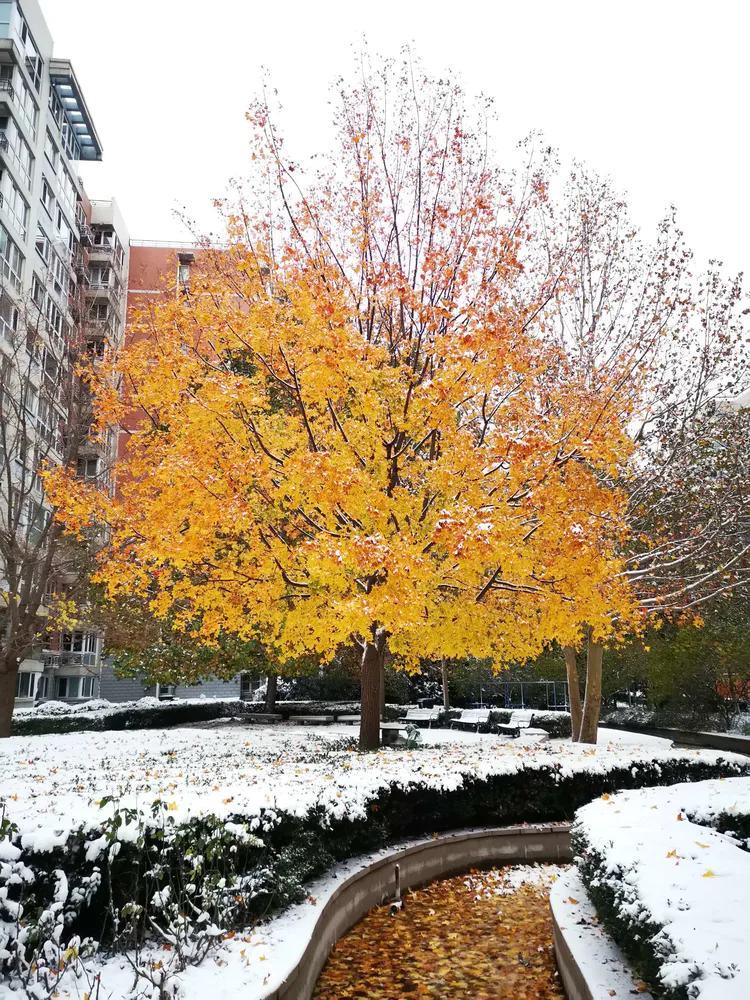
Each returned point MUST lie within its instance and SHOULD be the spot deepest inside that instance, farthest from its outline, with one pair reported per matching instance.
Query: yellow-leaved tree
(355, 427)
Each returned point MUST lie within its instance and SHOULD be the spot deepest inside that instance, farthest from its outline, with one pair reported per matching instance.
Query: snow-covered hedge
(151, 713)
(179, 835)
(669, 872)
(146, 713)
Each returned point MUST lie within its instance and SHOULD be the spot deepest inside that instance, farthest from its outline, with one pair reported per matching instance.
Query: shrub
(637, 858)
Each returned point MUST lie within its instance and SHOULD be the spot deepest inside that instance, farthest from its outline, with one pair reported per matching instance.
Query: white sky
(653, 93)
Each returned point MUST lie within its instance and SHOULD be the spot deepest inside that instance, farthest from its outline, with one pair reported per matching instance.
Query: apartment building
(63, 280)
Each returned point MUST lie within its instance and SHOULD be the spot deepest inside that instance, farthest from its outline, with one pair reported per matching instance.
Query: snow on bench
(520, 719)
(473, 717)
(428, 715)
(311, 720)
(349, 720)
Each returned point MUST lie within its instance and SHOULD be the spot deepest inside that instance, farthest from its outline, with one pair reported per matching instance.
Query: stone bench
(350, 720)
(389, 732)
(311, 720)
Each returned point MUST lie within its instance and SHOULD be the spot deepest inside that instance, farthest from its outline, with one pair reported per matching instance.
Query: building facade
(63, 280)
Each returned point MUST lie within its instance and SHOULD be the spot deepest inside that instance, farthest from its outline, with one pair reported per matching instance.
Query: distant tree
(46, 419)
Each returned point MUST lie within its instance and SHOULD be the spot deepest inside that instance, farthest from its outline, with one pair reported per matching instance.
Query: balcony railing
(55, 658)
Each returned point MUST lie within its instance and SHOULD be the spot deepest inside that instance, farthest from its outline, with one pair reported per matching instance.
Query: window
(75, 687)
(24, 684)
(31, 52)
(41, 686)
(11, 259)
(55, 107)
(13, 202)
(100, 312)
(100, 274)
(37, 292)
(42, 244)
(103, 237)
(50, 151)
(8, 318)
(58, 276)
(26, 105)
(88, 468)
(48, 199)
(70, 142)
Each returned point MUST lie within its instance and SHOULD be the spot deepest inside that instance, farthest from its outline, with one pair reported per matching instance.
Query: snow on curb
(592, 956)
(653, 852)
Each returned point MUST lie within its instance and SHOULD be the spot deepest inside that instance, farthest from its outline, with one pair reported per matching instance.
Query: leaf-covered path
(482, 936)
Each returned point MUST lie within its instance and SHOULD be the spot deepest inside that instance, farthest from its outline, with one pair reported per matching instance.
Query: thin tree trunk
(7, 697)
(382, 685)
(271, 688)
(372, 659)
(574, 692)
(444, 678)
(593, 700)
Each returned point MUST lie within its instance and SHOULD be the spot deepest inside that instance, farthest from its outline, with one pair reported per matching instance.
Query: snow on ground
(668, 868)
(53, 784)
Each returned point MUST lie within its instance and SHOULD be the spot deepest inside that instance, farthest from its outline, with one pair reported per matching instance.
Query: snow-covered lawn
(53, 784)
(654, 854)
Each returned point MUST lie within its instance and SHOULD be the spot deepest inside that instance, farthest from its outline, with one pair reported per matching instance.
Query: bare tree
(45, 420)
(635, 317)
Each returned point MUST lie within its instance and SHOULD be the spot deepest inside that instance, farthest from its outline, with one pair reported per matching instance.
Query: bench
(389, 733)
(265, 717)
(520, 719)
(423, 715)
(349, 720)
(311, 720)
(472, 718)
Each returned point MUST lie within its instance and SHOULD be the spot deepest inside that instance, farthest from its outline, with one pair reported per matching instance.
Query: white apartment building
(66, 258)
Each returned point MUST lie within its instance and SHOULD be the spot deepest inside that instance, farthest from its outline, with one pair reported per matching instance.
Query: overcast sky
(653, 93)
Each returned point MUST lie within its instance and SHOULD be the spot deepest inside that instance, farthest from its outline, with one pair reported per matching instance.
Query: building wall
(46, 249)
(114, 688)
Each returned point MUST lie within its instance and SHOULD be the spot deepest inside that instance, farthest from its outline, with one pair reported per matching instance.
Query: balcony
(7, 90)
(69, 92)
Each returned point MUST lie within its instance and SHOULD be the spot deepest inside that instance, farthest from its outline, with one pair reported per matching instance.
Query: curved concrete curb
(591, 965)
(439, 857)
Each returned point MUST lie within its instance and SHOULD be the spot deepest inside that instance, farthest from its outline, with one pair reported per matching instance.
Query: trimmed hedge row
(268, 874)
(130, 716)
(640, 938)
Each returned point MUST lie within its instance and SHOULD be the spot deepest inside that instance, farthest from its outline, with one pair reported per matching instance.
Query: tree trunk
(382, 685)
(593, 700)
(372, 661)
(271, 686)
(7, 697)
(574, 692)
(444, 679)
